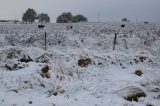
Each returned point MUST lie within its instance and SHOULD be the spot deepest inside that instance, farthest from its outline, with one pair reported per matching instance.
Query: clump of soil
(84, 62)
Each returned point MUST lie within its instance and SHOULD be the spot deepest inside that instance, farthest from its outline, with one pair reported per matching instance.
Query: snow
(99, 83)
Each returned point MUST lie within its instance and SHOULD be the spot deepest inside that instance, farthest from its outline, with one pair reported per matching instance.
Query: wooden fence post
(114, 42)
(45, 38)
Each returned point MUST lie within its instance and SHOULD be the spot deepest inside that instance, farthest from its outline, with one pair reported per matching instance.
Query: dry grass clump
(45, 72)
(84, 62)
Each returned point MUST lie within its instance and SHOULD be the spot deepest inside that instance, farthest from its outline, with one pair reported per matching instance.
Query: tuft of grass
(84, 62)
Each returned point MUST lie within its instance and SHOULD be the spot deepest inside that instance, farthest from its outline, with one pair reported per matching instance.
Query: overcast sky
(109, 10)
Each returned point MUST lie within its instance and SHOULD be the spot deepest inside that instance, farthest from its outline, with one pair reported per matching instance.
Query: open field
(80, 67)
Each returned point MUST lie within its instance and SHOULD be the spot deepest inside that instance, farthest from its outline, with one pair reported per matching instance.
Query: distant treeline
(14, 21)
(31, 16)
(4, 20)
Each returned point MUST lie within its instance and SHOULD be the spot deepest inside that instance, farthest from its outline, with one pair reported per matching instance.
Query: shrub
(131, 93)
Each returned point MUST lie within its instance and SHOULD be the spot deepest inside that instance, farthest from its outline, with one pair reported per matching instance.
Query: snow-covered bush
(131, 93)
(14, 53)
(44, 58)
(13, 65)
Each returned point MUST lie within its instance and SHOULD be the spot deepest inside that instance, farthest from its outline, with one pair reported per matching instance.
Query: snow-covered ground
(80, 67)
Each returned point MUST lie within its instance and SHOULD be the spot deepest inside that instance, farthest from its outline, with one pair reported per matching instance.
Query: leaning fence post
(115, 38)
(114, 42)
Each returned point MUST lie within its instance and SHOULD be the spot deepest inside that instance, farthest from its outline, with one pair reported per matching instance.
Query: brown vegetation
(84, 62)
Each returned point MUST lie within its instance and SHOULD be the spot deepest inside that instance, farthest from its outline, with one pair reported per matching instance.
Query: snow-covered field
(80, 67)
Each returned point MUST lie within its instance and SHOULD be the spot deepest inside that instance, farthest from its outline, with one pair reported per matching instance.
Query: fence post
(115, 38)
(114, 42)
(45, 38)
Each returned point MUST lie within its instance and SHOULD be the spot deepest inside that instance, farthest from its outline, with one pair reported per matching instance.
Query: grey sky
(110, 10)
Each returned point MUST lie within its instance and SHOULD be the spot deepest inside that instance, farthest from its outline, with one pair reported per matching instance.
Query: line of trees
(67, 17)
(31, 15)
